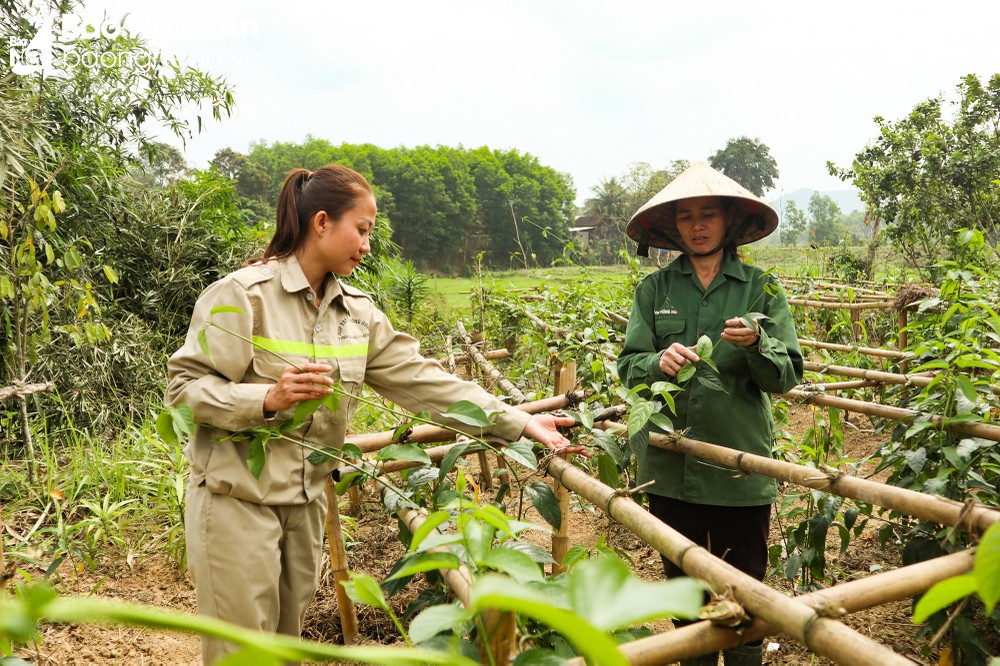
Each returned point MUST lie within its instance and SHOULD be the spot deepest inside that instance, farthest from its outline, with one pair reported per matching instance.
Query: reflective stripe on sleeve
(309, 349)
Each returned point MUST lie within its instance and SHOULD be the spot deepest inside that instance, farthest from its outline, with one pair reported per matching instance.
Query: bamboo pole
(838, 386)
(868, 351)
(517, 397)
(972, 518)
(565, 383)
(499, 643)
(353, 500)
(338, 565)
(428, 433)
(616, 318)
(876, 590)
(823, 636)
(984, 430)
(452, 366)
(459, 580)
(865, 373)
(489, 355)
(903, 338)
(824, 305)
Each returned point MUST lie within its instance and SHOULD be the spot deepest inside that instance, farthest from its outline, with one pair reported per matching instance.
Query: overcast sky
(588, 87)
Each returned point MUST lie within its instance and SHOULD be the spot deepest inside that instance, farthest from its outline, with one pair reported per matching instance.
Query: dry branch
(20, 389)
(515, 393)
(338, 565)
(823, 636)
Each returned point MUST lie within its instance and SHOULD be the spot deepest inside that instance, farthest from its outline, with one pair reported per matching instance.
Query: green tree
(933, 172)
(793, 223)
(826, 227)
(748, 162)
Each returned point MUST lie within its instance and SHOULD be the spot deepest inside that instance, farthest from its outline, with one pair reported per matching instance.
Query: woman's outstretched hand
(543, 428)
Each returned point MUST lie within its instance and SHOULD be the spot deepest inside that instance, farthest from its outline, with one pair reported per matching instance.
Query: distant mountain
(848, 200)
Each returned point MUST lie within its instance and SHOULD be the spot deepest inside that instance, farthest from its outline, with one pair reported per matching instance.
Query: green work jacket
(672, 306)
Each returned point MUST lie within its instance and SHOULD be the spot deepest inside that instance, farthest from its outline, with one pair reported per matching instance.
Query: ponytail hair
(332, 188)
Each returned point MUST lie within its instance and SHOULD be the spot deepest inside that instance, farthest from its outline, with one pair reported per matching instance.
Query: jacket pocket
(668, 329)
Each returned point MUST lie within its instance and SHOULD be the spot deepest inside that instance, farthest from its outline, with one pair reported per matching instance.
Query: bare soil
(374, 547)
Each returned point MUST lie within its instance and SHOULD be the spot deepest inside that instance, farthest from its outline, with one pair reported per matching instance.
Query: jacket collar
(731, 267)
(293, 280)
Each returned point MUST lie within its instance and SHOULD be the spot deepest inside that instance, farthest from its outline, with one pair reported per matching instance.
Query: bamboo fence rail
(20, 389)
(868, 351)
(972, 518)
(851, 597)
(837, 386)
(973, 429)
(823, 636)
(841, 305)
(865, 373)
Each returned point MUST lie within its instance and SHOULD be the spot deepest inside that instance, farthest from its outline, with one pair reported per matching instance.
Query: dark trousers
(736, 534)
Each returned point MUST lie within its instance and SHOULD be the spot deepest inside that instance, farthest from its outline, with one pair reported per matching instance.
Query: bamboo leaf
(468, 413)
(545, 502)
(943, 594)
(515, 564)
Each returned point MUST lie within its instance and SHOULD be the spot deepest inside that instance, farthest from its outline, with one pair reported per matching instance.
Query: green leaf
(943, 594)
(704, 348)
(468, 413)
(323, 456)
(165, 428)
(409, 452)
(226, 308)
(517, 565)
(711, 382)
(203, 343)
(499, 592)
(575, 555)
(539, 657)
(250, 656)
(687, 372)
(545, 502)
(58, 204)
(110, 274)
(639, 415)
(606, 594)
(363, 589)
(436, 619)
(257, 454)
(520, 452)
(536, 553)
(303, 410)
(607, 470)
(916, 460)
(967, 387)
(986, 570)
(661, 421)
(426, 561)
(426, 528)
(451, 457)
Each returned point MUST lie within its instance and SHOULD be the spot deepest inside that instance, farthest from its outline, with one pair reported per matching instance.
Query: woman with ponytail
(255, 545)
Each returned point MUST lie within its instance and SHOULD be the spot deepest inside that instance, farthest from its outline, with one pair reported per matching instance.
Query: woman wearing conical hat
(708, 291)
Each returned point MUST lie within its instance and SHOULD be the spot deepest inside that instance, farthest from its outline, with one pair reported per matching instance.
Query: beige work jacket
(226, 392)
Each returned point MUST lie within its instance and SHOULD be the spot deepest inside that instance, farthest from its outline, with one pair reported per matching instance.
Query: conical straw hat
(654, 225)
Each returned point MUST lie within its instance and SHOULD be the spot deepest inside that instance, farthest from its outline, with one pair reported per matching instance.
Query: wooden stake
(903, 365)
(485, 473)
(338, 565)
(354, 500)
(823, 636)
(499, 641)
